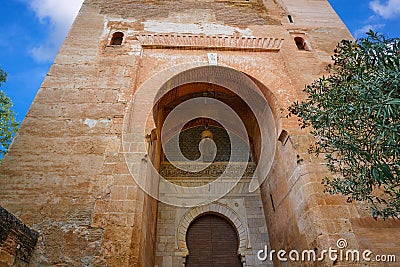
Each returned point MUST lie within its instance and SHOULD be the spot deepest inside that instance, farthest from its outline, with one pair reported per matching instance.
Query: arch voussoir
(215, 208)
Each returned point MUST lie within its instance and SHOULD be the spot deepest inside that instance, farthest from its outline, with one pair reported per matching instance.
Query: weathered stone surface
(17, 241)
(92, 127)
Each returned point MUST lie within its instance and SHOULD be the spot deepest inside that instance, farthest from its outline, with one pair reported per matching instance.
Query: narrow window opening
(290, 19)
(117, 38)
(283, 137)
(300, 43)
(272, 202)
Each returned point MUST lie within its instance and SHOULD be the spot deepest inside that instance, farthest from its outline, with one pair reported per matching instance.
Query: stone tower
(159, 138)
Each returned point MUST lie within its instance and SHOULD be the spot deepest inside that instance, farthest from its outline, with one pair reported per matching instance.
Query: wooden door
(212, 242)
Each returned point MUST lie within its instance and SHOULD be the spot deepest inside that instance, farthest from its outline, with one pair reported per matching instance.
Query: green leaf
(354, 114)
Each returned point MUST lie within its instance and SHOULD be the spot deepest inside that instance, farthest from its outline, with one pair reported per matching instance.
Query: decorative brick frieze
(188, 41)
(215, 170)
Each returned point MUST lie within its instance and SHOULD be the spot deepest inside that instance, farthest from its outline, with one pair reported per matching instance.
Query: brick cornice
(188, 41)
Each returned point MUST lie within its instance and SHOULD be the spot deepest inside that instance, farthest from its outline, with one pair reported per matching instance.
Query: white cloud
(361, 31)
(59, 15)
(389, 9)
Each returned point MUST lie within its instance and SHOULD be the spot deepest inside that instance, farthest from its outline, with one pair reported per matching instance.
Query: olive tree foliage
(8, 123)
(354, 114)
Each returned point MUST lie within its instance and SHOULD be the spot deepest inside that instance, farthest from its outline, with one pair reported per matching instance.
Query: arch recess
(139, 122)
(218, 209)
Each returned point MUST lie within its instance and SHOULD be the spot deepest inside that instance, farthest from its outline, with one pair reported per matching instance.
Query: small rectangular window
(117, 38)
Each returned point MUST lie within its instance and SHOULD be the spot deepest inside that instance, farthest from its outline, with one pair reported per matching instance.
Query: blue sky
(33, 30)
